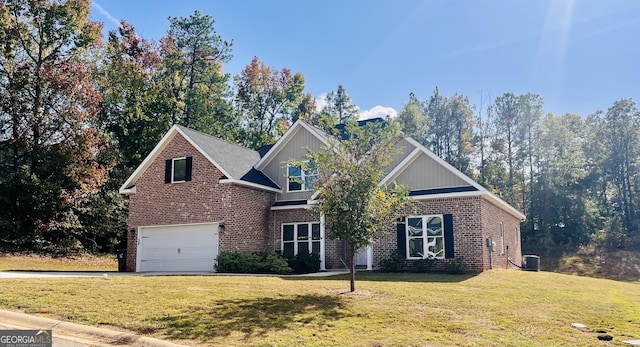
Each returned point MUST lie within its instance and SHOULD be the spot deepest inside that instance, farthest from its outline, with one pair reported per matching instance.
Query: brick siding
(250, 225)
(334, 250)
(492, 217)
(474, 219)
(245, 211)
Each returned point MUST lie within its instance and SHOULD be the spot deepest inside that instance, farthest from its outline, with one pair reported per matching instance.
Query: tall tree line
(79, 112)
(576, 178)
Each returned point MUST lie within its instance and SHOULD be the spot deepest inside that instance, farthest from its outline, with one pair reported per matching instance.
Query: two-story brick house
(195, 196)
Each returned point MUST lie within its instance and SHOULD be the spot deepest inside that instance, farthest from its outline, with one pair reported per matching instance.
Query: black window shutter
(168, 167)
(187, 176)
(402, 239)
(448, 237)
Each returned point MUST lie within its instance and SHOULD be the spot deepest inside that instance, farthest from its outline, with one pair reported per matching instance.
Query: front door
(363, 258)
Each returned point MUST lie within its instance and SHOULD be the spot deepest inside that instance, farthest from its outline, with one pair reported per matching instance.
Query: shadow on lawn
(251, 317)
(394, 277)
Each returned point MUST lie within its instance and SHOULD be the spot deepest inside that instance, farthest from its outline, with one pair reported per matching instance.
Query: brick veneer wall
(474, 219)
(245, 211)
(492, 217)
(334, 250)
(467, 230)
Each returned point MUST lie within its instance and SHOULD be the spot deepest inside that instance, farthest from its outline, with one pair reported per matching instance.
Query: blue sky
(580, 56)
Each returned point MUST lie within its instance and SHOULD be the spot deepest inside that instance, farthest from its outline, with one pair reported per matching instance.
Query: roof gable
(419, 153)
(234, 161)
(455, 183)
(284, 141)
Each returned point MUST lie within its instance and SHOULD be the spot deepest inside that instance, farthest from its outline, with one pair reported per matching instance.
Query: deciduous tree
(357, 209)
(268, 100)
(48, 106)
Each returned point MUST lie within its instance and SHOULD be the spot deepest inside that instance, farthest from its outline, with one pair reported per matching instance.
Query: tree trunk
(352, 268)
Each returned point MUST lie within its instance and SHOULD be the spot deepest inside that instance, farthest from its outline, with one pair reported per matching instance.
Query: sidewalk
(81, 334)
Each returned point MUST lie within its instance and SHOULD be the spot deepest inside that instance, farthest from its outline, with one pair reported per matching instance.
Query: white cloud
(105, 13)
(321, 102)
(378, 112)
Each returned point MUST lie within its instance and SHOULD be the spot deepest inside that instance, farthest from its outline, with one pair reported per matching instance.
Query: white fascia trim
(448, 195)
(149, 159)
(127, 191)
(249, 184)
(166, 139)
(314, 196)
(178, 225)
(481, 189)
(448, 166)
(491, 197)
(401, 167)
(291, 207)
(260, 165)
(501, 203)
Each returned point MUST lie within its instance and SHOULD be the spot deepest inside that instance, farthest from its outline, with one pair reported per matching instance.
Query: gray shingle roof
(236, 160)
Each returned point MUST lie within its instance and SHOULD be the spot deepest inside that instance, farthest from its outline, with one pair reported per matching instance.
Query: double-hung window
(300, 237)
(301, 177)
(425, 237)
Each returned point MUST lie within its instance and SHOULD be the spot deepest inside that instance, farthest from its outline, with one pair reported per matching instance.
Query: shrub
(276, 264)
(247, 262)
(395, 263)
(456, 266)
(424, 265)
(238, 262)
(304, 263)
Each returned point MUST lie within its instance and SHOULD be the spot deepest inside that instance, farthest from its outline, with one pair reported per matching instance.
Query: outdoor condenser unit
(531, 263)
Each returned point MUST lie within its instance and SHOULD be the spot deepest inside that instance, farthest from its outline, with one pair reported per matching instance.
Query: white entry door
(191, 247)
(364, 257)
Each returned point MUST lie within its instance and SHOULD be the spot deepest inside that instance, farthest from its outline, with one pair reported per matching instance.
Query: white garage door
(192, 247)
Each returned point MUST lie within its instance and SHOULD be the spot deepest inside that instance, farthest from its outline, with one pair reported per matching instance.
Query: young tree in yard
(48, 104)
(356, 208)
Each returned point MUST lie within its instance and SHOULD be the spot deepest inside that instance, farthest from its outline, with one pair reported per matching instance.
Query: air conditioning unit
(531, 263)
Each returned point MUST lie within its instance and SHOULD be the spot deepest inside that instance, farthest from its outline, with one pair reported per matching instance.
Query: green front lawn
(78, 262)
(496, 308)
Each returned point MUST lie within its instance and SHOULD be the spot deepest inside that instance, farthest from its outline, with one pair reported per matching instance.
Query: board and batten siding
(426, 173)
(295, 149)
(402, 151)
